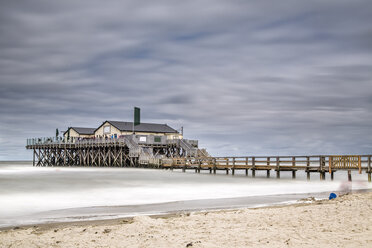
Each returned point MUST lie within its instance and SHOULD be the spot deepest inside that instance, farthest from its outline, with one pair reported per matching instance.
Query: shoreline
(167, 209)
(342, 222)
(176, 208)
(299, 199)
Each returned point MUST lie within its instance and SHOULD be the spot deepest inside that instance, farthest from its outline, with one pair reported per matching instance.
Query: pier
(183, 154)
(322, 164)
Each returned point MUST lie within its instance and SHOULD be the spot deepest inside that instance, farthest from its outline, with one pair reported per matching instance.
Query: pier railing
(127, 139)
(274, 162)
(56, 141)
(309, 164)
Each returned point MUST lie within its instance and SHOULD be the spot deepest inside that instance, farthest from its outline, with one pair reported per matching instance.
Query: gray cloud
(242, 77)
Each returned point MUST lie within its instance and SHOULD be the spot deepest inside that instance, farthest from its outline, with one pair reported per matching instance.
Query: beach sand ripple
(342, 222)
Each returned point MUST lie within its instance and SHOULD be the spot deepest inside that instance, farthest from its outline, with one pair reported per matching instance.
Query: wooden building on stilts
(113, 143)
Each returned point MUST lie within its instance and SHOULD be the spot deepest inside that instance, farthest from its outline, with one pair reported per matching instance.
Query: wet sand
(342, 222)
(87, 214)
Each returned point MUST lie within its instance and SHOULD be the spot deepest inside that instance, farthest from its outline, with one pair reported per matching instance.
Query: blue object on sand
(332, 196)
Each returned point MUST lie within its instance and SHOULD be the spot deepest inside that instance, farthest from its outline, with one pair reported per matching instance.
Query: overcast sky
(242, 77)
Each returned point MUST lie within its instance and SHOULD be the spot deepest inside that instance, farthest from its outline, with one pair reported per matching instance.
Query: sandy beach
(342, 222)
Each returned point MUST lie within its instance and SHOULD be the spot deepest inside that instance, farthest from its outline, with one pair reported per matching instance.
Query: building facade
(115, 129)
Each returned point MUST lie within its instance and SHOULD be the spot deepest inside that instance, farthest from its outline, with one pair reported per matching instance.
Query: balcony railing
(130, 140)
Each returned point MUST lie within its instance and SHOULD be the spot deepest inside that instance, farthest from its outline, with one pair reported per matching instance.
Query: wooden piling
(349, 175)
(253, 173)
(369, 168)
(308, 167)
(253, 165)
(277, 167)
(33, 160)
(233, 167)
(293, 174)
(321, 165)
(268, 173)
(246, 172)
(332, 175)
(121, 157)
(64, 157)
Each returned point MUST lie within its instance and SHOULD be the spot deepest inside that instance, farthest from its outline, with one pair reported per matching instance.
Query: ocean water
(30, 195)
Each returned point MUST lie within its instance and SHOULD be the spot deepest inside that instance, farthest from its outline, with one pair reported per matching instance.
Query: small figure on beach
(345, 187)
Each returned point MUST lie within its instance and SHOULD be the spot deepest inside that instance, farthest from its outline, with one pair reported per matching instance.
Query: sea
(36, 195)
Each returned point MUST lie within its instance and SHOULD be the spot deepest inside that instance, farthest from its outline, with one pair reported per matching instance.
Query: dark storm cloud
(243, 77)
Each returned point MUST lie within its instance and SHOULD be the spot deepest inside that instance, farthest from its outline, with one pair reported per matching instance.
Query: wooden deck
(310, 164)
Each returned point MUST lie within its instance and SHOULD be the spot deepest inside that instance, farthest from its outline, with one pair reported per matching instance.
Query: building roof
(82, 130)
(143, 127)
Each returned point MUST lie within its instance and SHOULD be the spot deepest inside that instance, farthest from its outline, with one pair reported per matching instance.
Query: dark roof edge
(175, 131)
(108, 122)
(101, 125)
(77, 131)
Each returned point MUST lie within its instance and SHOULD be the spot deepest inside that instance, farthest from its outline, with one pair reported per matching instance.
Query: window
(142, 139)
(106, 129)
(157, 139)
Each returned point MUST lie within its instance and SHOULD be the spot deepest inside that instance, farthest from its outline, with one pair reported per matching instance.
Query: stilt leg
(293, 174)
(349, 175)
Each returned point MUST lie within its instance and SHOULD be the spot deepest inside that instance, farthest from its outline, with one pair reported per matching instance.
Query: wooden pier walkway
(321, 164)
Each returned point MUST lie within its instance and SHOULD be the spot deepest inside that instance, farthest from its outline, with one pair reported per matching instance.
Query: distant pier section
(121, 144)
